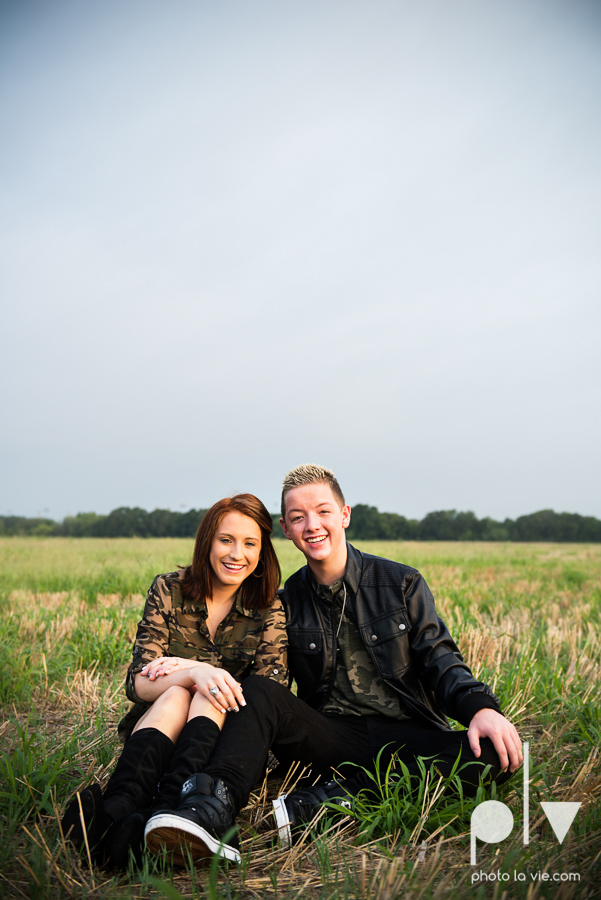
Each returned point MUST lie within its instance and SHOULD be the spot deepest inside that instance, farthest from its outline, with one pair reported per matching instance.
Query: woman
(204, 627)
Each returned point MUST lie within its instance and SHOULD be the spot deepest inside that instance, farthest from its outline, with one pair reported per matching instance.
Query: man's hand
(487, 723)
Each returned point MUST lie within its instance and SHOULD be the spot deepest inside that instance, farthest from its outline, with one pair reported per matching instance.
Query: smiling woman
(204, 627)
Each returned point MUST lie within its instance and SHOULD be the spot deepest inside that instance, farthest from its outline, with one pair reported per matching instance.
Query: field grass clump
(526, 617)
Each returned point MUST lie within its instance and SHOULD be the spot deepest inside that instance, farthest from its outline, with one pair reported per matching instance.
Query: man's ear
(346, 516)
(284, 529)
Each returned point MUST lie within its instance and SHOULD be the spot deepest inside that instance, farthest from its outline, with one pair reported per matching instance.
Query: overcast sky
(240, 235)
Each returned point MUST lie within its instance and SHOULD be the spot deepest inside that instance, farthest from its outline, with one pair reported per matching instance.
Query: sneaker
(298, 809)
(197, 827)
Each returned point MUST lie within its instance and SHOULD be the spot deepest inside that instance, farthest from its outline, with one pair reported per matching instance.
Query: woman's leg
(169, 712)
(134, 781)
(200, 706)
(194, 749)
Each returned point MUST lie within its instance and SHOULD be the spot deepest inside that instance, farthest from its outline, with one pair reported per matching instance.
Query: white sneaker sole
(184, 839)
(282, 820)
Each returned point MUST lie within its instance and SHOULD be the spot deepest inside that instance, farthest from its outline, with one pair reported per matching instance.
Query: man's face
(314, 521)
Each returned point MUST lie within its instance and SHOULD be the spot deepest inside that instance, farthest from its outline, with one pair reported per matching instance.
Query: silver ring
(214, 691)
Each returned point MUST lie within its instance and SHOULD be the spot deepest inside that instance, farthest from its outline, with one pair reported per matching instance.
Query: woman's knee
(175, 697)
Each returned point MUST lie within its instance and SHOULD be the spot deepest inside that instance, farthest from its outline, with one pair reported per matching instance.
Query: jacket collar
(354, 566)
(352, 573)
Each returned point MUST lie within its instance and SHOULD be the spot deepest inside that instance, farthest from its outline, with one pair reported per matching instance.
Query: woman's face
(235, 549)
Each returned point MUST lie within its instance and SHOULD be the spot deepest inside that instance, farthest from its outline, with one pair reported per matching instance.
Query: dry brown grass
(535, 637)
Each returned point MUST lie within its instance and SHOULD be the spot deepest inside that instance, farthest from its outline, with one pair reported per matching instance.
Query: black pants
(275, 719)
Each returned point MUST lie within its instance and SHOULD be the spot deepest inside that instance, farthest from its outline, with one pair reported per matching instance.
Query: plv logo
(492, 821)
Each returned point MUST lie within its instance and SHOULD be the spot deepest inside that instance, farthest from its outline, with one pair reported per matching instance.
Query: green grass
(527, 618)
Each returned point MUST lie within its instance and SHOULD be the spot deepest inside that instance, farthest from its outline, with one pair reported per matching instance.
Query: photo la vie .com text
(492, 821)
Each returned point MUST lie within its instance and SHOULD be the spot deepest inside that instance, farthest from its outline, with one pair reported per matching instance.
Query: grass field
(527, 618)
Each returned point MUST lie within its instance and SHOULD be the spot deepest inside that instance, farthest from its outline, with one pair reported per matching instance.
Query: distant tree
(277, 528)
(160, 523)
(491, 530)
(82, 525)
(547, 525)
(439, 526)
(367, 523)
(20, 525)
(186, 524)
(126, 522)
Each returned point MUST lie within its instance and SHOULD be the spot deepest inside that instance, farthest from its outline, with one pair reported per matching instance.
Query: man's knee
(260, 685)
(489, 757)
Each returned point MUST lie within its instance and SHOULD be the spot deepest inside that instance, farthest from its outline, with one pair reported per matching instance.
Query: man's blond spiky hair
(310, 474)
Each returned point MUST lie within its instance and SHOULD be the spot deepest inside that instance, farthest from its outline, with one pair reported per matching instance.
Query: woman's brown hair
(255, 592)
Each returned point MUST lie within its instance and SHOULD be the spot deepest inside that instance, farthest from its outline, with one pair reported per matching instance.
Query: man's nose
(312, 523)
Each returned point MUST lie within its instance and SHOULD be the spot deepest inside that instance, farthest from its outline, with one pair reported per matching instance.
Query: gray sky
(238, 236)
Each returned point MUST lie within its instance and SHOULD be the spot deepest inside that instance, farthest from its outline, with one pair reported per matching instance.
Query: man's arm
(438, 662)
(487, 723)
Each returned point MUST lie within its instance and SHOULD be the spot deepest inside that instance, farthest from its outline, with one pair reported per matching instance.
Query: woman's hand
(229, 694)
(164, 665)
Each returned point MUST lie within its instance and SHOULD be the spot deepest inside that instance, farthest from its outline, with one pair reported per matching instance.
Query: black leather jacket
(410, 645)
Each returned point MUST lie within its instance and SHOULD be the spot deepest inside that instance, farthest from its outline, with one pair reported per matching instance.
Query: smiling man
(376, 670)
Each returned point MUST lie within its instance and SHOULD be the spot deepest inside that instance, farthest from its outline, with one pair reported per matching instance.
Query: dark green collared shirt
(358, 690)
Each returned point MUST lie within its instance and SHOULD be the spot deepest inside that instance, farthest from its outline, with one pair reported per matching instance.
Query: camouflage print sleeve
(152, 636)
(272, 653)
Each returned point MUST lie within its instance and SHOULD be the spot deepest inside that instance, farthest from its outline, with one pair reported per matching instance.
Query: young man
(376, 669)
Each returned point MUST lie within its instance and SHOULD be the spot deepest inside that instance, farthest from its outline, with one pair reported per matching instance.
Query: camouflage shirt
(358, 690)
(246, 642)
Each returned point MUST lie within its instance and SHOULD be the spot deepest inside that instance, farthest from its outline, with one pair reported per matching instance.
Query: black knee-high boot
(131, 786)
(192, 752)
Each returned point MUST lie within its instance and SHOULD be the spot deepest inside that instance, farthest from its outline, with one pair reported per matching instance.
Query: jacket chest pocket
(388, 639)
(305, 640)
(305, 655)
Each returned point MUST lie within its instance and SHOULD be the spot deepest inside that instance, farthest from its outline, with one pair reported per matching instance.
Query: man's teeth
(316, 540)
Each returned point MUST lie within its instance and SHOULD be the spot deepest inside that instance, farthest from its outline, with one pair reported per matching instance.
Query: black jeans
(275, 719)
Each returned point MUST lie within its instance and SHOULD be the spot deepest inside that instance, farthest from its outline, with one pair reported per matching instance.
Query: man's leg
(275, 719)
(409, 741)
(272, 718)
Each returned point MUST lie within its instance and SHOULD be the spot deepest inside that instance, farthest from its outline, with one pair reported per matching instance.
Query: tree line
(367, 523)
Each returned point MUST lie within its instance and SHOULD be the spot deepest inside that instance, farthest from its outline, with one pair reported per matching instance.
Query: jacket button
(311, 646)
(374, 637)
(402, 626)
(276, 671)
